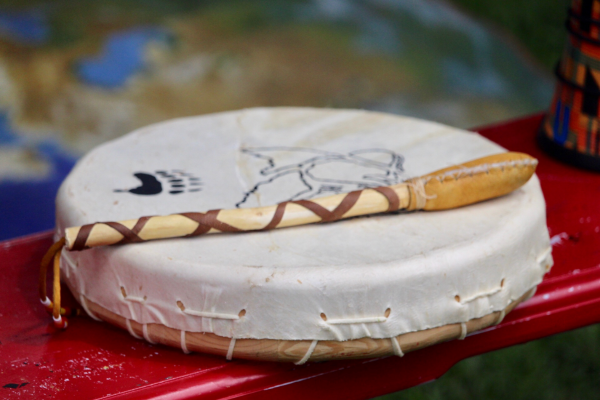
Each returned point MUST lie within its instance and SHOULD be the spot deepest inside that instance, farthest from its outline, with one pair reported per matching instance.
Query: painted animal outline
(321, 172)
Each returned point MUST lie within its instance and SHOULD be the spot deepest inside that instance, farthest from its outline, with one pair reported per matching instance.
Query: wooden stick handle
(452, 187)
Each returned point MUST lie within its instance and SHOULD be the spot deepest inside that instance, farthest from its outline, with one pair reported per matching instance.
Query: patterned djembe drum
(571, 128)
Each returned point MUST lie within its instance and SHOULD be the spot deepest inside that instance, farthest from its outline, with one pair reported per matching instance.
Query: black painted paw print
(176, 181)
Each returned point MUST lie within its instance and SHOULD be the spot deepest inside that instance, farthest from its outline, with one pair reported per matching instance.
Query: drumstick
(452, 187)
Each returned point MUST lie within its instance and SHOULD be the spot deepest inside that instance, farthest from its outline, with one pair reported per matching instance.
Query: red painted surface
(92, 360)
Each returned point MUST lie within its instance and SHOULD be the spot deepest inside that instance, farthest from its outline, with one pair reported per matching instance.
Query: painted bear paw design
(174, 182)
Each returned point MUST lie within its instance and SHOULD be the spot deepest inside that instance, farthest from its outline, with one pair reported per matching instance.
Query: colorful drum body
(571, 129)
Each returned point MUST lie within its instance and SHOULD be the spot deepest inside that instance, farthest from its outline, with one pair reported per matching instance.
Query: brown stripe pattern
(129, 235)
(209, 220)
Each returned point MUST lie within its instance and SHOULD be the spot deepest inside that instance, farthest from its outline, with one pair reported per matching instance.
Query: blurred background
(76, 73)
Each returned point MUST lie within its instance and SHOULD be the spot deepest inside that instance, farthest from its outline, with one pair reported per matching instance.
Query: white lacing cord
(146, 335)
(463, 331)
(396, 347)
(130, 329)
(501, 317)
(309, 352)
(83, 302)
(184, 343)
(421, 197)
(229, 355)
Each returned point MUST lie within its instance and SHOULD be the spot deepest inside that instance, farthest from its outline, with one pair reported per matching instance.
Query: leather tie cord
(53, 306)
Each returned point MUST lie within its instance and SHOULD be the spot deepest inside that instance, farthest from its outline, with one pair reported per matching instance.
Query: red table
(92, 360)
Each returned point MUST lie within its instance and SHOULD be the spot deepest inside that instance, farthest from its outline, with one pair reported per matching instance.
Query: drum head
(371, 277)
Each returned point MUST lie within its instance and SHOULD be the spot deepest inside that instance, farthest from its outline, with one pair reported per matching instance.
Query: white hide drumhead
(377, 276)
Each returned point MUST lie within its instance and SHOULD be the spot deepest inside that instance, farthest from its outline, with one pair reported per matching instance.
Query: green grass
(564, 366)
(537, 24)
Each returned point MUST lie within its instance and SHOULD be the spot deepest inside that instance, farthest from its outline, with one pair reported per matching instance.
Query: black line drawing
(307, 173)
(177, 181)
